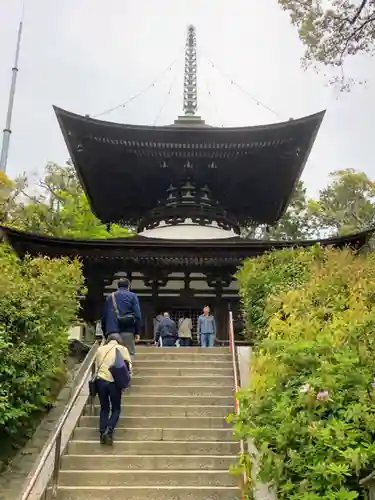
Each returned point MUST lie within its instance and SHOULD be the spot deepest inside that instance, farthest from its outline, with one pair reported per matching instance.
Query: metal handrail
(56, 438)
(233, 350)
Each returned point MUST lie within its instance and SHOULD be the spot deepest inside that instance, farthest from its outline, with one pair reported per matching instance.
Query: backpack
(120, 371)
(184, 330)
(125, 321)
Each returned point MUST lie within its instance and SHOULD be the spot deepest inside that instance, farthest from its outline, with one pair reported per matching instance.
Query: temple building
(188, 188)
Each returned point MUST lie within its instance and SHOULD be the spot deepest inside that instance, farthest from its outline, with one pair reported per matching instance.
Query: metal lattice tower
(8, 123)
(190, 75)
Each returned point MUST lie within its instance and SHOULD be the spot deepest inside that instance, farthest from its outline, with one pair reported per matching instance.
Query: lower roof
(141, 250)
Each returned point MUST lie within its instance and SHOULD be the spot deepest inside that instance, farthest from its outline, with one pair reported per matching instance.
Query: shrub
(38, 302)
(268, 275)
(310, 405)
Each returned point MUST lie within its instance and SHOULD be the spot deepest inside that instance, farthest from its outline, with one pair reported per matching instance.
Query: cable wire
(216, 107)
(165, 99)
(145, 89)
(233, 82)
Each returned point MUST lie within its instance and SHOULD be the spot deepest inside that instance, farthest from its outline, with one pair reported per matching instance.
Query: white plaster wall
(187, 231)
(75, 332)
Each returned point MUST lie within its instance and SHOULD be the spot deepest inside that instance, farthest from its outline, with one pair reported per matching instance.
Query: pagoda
(188, 188)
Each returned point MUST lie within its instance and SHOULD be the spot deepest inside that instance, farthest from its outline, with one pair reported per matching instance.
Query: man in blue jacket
(122, 314)
(207, 328)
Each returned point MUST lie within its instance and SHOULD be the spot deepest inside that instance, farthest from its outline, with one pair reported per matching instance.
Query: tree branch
(371, 19)
(47, 187)
(359, 11)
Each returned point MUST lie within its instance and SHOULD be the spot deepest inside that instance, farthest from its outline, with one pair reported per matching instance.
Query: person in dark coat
(123, 304)
(167, 332)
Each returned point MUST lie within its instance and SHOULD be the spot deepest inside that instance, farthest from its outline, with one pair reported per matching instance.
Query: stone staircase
(172, 441)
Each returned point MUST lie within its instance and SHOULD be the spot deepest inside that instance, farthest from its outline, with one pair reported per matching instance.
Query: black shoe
(102, 439)
(108, 437)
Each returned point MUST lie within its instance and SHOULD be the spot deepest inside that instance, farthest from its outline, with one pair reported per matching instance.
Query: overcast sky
(89, 55)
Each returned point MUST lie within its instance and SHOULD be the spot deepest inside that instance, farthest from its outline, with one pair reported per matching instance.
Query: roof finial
(190, 76)
(7, 130)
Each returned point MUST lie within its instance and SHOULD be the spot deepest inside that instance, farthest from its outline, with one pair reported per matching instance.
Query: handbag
(125, 321)
(93, 388)
(120, 372)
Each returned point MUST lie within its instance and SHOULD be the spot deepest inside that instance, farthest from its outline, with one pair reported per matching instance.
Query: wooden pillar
(187, 290)
(148, 323)
(92, 303)
(153, 279)
(218, 311)
(155, 292)
(214, 279)
(219, 279)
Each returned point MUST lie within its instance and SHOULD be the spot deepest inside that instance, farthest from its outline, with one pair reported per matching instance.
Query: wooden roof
(126, 169)
(142, 251)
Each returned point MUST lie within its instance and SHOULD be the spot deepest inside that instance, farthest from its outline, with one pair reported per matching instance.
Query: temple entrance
(193, 314)
(177, 307)
(178, 311)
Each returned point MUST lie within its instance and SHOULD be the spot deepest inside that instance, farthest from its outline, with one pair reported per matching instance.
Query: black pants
(110, 403)
(169, 341)
(185, 342)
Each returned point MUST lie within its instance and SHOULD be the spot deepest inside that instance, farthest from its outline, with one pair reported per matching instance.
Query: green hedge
(268, 275)
(310, 406)
(38, 303)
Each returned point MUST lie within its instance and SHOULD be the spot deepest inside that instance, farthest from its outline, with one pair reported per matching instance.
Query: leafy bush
(310, 405)
(268, 275)
(38, 303)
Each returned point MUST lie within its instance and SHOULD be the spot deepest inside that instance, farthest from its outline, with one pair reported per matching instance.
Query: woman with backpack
(109, 383)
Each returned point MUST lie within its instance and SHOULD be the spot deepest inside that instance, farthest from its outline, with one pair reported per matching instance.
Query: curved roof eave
(9, 234)
(61, 113)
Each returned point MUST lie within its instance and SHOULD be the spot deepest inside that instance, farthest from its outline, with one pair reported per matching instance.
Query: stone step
(91, 447)
(151, 400)
(146, 462)
(160, 422)
(179, 408)
(151, 493)
(195, 349)
(182, 363)
(165, 371)
(172, 390)
(187, 381)
(181, 354)
(139, 434)
(146, 478)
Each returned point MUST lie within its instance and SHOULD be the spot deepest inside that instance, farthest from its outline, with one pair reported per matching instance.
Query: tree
(293, 225)
(9, 191)
(346, 205)
(58, 207)
(332, 30)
